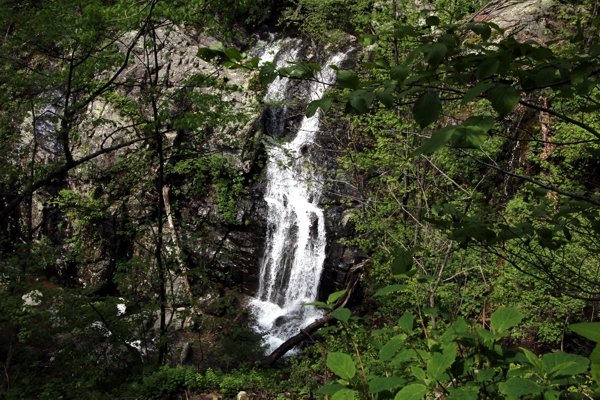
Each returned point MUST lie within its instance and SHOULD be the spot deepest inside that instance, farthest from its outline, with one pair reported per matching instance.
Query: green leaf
(483, 30)
(233, 54)
(517, 387)
(464, 393)
(341, 364)
(427, 108)
(418, 373)
(476, 91)
(488, 67)
(595, 360)
(218, 47)
(312, 108)
(406, 322)
(386, 98)
(402, 262)
(206, 54)
(460, 326)
(440, 362)
(468, 137)
(344, 394)
(436, 54)
(437, 140)
(485, 375)
(360, 100)
(403, 31)
(347, 79)
(411, 392)
(483, 122)
(335, 295)
(504, 98)
(386, 383)
(326, 104)
(399, 73)
(319, 304)
(490, 337)
(545, 76)
(551, 395)
(389, 289)
(535, 361)
(430, 310)
(382, 62)
(589, 330)
(432, 20)
(504, 318)
(391, 347)
(252, 63)
(331, 389)
(367, 40)
(267, 74)
(341, 314)
(561, 367)
(404, 356)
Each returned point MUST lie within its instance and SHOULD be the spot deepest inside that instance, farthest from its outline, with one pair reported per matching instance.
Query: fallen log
(351, 282)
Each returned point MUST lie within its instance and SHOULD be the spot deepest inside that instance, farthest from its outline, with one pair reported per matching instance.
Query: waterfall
(295, 249)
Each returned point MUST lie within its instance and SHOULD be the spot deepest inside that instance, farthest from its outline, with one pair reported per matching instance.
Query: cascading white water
(295, 250)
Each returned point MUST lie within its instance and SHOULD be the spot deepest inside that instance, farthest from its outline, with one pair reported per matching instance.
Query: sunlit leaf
(391, 347)
(517, 387)
(411, 392)
(367, 40)
(406, 322)
(389, 289)
(331, 388)
(343, 394)
(505, 318)
(440, 362)
(335, 295)
(342, 314)
(341, 364)
(589, 330)
(384, 383)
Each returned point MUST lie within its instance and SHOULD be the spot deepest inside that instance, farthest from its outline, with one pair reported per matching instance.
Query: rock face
(113, 184)
(530, 19)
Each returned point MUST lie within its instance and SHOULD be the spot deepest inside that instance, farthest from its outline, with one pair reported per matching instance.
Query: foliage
(461, 360)
(172, 381)
(329, 21)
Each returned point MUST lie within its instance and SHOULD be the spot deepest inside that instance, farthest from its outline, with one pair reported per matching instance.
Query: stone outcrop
(529, 19)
